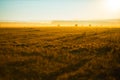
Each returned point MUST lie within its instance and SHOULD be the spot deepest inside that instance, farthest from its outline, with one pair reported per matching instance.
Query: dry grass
(60, 53)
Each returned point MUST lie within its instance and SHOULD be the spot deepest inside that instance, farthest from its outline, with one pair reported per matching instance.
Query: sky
(41, 10)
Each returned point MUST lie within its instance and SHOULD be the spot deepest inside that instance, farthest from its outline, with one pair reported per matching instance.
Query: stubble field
(60, 53)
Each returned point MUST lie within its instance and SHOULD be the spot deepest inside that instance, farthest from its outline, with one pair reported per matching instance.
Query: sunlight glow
(113, 5)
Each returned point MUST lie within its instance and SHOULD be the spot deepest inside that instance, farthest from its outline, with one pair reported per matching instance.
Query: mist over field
(64, 23)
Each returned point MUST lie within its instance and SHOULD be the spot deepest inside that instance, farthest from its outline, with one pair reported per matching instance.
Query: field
(60, 53)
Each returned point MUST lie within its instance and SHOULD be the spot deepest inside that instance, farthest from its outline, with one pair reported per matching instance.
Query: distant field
(60, 53)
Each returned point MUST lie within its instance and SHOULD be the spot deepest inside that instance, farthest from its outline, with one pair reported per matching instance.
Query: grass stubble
(60, 53)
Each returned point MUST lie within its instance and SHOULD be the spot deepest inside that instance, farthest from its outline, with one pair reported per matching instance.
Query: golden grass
(60, 53)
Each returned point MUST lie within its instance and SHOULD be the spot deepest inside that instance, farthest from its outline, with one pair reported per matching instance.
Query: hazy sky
(37, 10)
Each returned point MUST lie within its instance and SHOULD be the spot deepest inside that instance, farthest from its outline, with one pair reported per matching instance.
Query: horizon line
(57, 20)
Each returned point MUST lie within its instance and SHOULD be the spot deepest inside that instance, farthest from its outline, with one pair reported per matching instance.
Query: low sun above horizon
(41, 10)
(113, 5)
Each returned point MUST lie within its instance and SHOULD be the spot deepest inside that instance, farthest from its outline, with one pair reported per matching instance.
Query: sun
(113, 5)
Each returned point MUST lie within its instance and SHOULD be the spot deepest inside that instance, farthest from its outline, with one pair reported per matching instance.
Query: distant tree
(76, 25)
(90, 25)
(58, 25)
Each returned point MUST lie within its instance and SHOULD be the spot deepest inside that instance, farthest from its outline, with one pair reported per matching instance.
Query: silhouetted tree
(76, 25)
(90, 25)
(58, 25)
